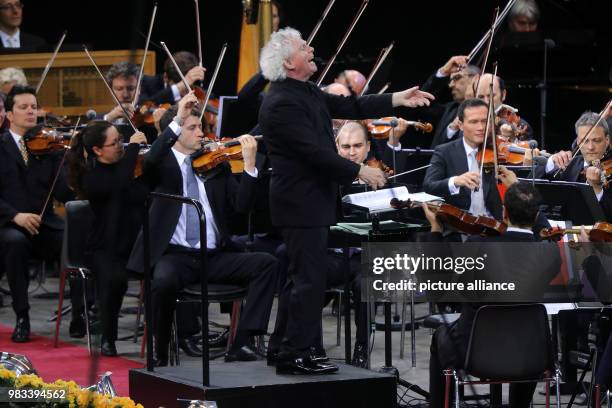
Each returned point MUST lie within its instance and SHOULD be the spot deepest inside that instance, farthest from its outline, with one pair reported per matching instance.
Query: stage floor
(255, 384)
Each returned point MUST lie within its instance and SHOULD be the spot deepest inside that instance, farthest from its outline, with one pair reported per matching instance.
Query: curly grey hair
(527, 8)
(589, 118)
(122, 69)
(276, 51)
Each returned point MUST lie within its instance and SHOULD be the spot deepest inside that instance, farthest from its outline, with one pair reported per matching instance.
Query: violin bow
(488, 129)
(171, 58)
(323, 17)
(51, 60)
(198, 32)
(125, 112)
(144, 57)
(384, 88)
(409, 171)
(588, 134)
(213, 79)
(486, 58)
(491, 31)
(342, 42)
(59, 169)
(384, 54)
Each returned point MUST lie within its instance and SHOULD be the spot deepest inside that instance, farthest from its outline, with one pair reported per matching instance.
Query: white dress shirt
(10, 41)
(477, 205)
(16, 137)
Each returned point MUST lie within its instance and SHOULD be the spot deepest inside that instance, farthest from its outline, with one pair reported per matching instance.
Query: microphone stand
(543, 94)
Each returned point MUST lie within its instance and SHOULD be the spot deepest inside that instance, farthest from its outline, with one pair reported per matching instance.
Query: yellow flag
(252, 38)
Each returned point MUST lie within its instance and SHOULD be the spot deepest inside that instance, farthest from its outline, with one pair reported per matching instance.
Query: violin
(215, 153)
(459, 219)
(507, 152)
(506, 114)
(46, 140)
(600, 232)
(139, 159)
(143, 115)
(383, 131)
(377, 164)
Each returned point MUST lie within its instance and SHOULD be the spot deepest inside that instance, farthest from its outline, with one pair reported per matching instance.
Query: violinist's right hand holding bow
(28, 221)
(374, 177)
(194, 74)
(468, 179)
(185, 105)
(454, 64)
(562, 159)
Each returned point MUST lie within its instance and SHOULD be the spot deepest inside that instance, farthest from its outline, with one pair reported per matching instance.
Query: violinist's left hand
(593, 178)
(412, 98)
(507, 131)
(398, 131)
(249, 151)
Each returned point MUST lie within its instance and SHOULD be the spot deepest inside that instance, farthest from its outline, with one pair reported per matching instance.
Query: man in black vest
(26, 228)
(175, 243)
(296, 121)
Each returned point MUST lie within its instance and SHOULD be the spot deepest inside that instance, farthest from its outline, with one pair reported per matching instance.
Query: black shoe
(190, 346)
(360, 356)
(218, 340)
(160, 362)
(21, 334)
(304, 366)
(78, 329)
(271, 357)
(318, 355)
(244, 353)
(108, 349)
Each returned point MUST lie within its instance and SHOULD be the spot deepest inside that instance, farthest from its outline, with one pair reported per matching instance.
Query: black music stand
(567, 201)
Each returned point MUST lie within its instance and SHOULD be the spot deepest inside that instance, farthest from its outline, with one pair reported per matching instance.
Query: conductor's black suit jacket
(296, 120)
(224, 193)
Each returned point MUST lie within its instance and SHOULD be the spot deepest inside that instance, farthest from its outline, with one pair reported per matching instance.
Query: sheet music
(380, 200)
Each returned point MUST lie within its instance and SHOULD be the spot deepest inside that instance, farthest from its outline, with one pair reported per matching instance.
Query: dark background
(426, 34)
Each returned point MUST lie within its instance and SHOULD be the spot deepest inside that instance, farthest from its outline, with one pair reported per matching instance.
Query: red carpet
(68, 362)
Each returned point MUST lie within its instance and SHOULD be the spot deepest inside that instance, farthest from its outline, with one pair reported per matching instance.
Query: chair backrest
(79, 220)
(510, 342)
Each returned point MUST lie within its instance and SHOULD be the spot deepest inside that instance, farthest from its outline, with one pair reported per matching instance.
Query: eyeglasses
(12, 6)
(116, 143)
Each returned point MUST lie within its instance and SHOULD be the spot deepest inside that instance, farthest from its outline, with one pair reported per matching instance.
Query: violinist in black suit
(454, 172)
(12, 39)
(583, 167)
(296, 121)
(169, 87)
(175, 244)
(457, 77)
(27, 226)
(449, 343)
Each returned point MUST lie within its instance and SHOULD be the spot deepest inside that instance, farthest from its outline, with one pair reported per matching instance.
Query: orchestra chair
(217, 293)
(79, 220)
(496, 355)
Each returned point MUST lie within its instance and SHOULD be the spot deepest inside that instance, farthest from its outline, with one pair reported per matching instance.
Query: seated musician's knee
(14, 239)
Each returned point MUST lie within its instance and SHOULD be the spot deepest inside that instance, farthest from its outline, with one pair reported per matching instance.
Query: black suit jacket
(452, 341)
(296, 119)
(152, 88)
(25, 189)
(450, 160)
(28, 42)
(224, 194)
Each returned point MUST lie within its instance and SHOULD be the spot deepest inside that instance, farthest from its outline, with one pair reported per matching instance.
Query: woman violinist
(102, 172)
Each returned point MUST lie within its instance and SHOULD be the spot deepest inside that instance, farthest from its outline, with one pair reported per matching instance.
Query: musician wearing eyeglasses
(585, 165)
(11, 36)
